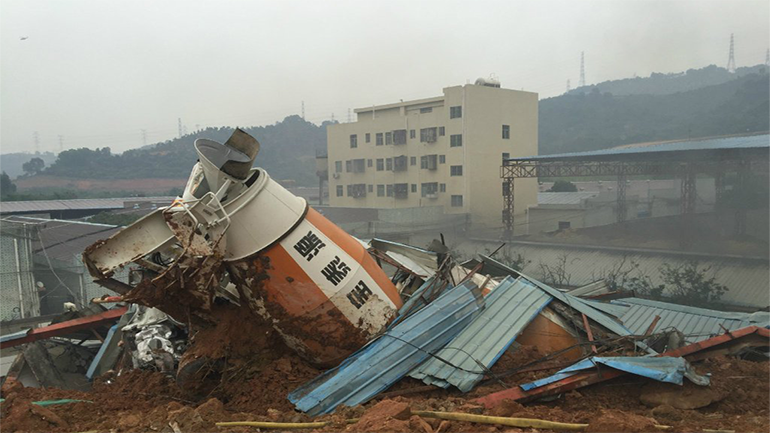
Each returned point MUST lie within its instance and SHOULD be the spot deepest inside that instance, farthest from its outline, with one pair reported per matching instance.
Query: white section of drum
(355, 293)
(260, 216)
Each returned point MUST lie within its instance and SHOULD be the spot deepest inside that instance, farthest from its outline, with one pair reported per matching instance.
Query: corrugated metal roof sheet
(394, 354)
(564, 198)
(709, 144)
(663, 369)
(576, 303)
(62, 240)
(509, 309)
(746, 279)
(696, 324)
(8, 207)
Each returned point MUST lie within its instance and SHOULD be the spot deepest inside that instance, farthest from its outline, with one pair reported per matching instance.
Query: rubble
(272, 314)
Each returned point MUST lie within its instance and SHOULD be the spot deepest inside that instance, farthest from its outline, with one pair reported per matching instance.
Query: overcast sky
(98, 72)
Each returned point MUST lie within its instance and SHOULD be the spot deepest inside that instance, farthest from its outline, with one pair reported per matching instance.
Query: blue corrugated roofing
(379, 364)
(573, 302)
(696, 324)
(509, 309)
(664, 369)
(712, 144)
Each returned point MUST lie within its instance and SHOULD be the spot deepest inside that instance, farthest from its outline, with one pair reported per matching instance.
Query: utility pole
(144, 136)
(179, 126)
(582, 70)
(36, 136)
(568, 86)
(303, 110)
(731, 59)
(61, 143)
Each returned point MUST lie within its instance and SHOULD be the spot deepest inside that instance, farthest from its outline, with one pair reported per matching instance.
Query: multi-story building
(443, 151)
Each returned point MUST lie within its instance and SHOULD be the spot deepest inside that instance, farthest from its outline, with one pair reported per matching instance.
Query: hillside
(714, 102)
(11, 163)
(588, 121)
(665, 84)
(288, 152)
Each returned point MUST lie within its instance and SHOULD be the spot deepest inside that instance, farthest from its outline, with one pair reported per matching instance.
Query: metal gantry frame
(686, 170)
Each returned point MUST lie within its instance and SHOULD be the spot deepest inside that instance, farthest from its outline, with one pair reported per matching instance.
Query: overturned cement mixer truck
(236, 234)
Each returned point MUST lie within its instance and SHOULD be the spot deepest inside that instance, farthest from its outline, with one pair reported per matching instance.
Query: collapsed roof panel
(509, 309)
(393, 355)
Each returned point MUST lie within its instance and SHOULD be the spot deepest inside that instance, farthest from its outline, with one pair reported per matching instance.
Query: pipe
(512, 422)
(18, 276)
(275, 425)
(500, 420)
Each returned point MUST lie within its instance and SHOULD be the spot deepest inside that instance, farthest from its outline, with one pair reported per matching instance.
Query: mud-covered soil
(140, 401)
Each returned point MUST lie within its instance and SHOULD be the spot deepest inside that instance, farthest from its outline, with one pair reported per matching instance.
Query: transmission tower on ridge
(731, 59)
(582, 70)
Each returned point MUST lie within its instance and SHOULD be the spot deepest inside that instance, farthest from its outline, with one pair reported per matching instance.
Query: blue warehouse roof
(707, 148)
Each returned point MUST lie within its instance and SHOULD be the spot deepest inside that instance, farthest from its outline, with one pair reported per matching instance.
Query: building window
(371, 188)
(389, 164)
(378, 138)
(388, 138)
(368, 137)
(390, 190)
(414, 187)
(339, 190)
(455, 112)
(442, 187)
(368, 162)
(358, 165)
(426, 110)
(456, 170)
(380, 164)
(428, 135)
(441, 131)
(413, 160)
(353, 141)
(399, 136)
(338, 166)
(380, 190)
(412, 133)
(457, 201)
(442, 159)
(429, 162)
(506, 156)
(357, 191)
(401, 190)
(506, 132)
(399, 163)
(429, 190)
(455, 140)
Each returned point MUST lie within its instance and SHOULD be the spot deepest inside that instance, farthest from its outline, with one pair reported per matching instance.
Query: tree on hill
(288, 150)
(595, 120)
(33, 166)
(6, 186)
(563, 186)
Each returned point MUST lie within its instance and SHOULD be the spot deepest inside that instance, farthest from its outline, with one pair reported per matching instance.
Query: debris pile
(250, 309)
